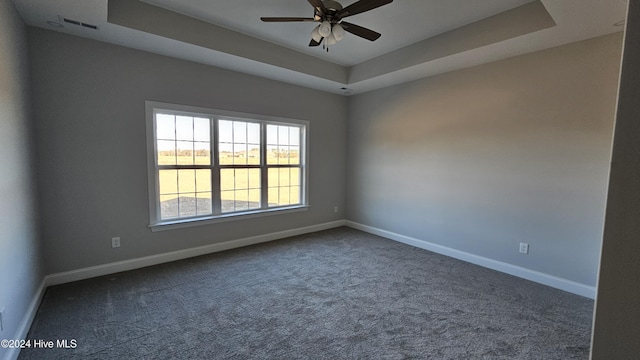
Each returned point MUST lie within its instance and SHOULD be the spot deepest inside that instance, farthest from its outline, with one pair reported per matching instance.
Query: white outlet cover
(524, 248)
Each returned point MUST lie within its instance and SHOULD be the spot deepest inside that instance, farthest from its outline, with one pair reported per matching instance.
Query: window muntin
(239, 144)
(283, 164)
(183, 147)
(240, 189)
(208, 165)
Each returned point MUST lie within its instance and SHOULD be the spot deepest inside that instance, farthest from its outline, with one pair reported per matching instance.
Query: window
(208, 165)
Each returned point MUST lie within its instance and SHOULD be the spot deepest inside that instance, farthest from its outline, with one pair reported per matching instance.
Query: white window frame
(156, 224)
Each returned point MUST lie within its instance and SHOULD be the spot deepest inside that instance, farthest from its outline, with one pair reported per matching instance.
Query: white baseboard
(27, 320)
(111, 268)
(528, 274)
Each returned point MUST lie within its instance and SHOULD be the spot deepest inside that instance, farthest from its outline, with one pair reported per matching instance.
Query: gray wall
(481, 159)
(90, 134)
(20, 272)
(616, 333)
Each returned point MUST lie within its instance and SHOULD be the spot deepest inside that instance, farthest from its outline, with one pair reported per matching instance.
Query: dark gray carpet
(336, 294)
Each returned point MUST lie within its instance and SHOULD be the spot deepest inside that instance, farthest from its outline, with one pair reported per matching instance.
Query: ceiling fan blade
(360, 7)
(319, 6)
(285, 19)
(360, 31)
(316, 43)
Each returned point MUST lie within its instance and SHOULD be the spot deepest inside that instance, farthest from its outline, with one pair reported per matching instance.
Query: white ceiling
(408, 29)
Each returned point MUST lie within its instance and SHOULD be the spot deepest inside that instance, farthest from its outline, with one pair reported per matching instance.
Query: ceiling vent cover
(79, 23)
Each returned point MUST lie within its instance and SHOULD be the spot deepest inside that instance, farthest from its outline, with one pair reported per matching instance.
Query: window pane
(240, 189)
(240, 154)
(201, 129)
(185, 152)
(202, 153)
(166, 152)
(272, 154)
(241, 202)
(283, 135)
(254, 179)
(283, 155)
(273, 196)
(284, 186)
(203, 181)
(239, 179)
(234, 140)
(187, 205)
(225, 131)
(283, 199)
(239, 132)
(242, 195)
(254, 199)
(294, 155)
(184, 128)
(227, 201)
(254, 155)
(284, 177)
(272, 135)
(294, 176)
(227, 179)
(168, 182)
(294, 135)
(242, 179)
(165, 127)
(273, 177)
(203, 203)
(225, 153)
(253, 133)
(168, 206)
(186, 181)
(295, 195)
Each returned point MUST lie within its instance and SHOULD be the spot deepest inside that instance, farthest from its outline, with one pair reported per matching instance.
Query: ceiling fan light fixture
(337, 32)
(315, 34)
(325, 29)
(331, 39)
(328, 14)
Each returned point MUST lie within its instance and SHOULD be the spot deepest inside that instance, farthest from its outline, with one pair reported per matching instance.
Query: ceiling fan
(329, 14)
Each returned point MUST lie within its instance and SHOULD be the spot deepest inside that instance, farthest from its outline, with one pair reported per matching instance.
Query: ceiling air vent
(79, 23)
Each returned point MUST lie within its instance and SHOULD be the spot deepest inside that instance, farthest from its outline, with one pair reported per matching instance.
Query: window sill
(185, 223)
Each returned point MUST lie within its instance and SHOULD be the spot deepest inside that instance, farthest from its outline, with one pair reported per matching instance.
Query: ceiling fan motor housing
(332, 8)
(332, 5)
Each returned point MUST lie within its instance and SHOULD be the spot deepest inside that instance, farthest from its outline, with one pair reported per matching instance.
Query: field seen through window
(188, 192)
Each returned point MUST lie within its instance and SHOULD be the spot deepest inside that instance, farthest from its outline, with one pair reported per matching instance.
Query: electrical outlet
(335, 209)
(524, 248)
(115, 242)
(2, 319)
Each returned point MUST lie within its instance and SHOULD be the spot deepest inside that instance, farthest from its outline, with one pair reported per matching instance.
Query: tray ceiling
(420, 38)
